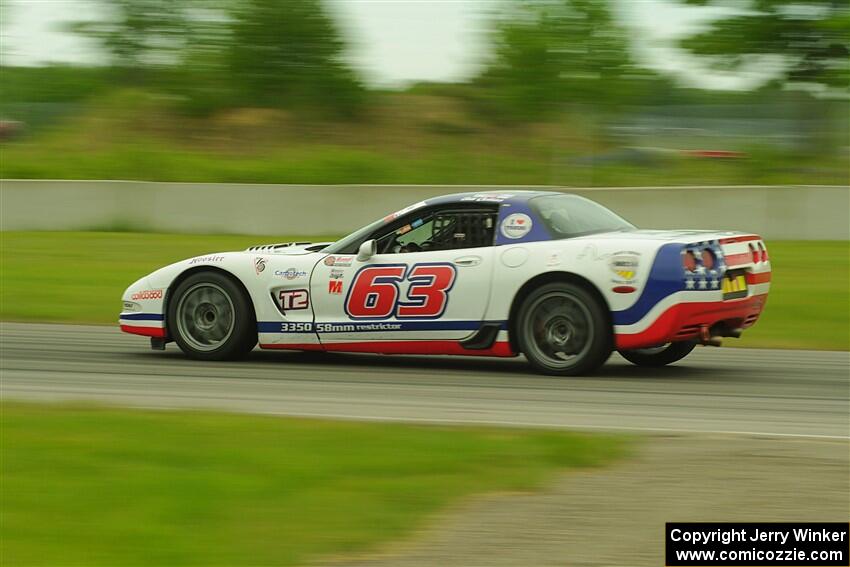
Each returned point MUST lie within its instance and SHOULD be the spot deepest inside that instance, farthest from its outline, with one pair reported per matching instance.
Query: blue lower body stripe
(371, 326)
(665, 278)
(142, 316)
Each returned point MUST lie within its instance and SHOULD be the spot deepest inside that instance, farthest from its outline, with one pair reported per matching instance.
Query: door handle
(468, 261)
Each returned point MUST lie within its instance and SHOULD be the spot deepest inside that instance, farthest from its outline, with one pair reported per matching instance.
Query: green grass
(809, 302)
(449, 163)
(79, 277)
(88, 486)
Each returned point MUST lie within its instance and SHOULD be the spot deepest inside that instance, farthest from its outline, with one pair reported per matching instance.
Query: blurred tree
(225, 53)
(138, 34)
(551, 52)
(5, 22)
(812, 37)
(288, 52)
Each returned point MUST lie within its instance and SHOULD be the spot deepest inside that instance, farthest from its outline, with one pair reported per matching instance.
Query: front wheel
(660, 355)
(211, 318)
(563, 330)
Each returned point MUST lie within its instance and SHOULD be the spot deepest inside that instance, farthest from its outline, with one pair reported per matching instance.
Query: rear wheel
(660, 355)
(211, 318)
(563, 330)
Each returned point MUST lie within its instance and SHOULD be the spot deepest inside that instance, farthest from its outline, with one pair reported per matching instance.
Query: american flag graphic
(705, 279)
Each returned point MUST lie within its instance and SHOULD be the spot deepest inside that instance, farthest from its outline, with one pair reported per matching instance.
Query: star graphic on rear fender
(689, 284)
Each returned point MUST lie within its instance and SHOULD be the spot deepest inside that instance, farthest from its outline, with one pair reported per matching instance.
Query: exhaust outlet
(707, 339)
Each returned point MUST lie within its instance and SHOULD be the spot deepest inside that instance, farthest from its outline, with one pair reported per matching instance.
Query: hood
(290, 248)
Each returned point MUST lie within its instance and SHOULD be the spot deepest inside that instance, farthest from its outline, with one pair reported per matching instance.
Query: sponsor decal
(408, 227)
(554, 259)
(624, 265)
(516, 226)
(147, 294)
(296, 327)
(290, 273)
(404, 211)
(356, 327)
(488, 197)
(206, 259)
(374, 292)
(337, 274)
(335, 287)
(338, 327)
(339, 261)
(259, 264)
(293, 299)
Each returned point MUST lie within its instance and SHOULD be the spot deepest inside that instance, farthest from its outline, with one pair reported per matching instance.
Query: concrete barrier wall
(775, 212)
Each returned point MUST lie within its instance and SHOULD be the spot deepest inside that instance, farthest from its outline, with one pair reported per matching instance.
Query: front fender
(142, 309)
(145, 301)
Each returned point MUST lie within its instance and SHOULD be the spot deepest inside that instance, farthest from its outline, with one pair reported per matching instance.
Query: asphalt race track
(759, 392)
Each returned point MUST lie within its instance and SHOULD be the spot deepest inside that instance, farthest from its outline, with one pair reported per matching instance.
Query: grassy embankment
(403, 138)
(84, 486)
(79, 278)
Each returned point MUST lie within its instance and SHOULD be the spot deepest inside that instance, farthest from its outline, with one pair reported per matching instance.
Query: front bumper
(144, 308)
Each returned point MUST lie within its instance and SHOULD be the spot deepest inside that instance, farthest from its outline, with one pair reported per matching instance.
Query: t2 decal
(375, 292)
(293, 299)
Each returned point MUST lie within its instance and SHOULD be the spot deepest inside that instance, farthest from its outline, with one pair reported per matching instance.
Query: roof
(498, 196)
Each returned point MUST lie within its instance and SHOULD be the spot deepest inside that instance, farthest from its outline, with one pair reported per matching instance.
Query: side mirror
(367, 250)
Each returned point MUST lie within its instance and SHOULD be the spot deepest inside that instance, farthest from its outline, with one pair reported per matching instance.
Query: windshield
(350, 243)
(568, 216)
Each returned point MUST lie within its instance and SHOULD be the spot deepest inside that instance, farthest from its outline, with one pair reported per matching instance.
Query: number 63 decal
(375, 293)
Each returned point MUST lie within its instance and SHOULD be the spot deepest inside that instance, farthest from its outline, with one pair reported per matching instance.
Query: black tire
(659, 356)
(563, 330)
(210, 317)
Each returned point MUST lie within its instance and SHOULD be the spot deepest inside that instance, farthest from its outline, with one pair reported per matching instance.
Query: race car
(553, 276)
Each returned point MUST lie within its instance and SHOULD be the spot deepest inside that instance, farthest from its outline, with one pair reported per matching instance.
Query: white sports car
(553, 276)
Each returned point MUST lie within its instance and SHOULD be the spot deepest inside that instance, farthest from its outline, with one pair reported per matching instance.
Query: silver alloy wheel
(560, 327)
(205, 316)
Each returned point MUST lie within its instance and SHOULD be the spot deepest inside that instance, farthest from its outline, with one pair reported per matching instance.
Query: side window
(446, 229)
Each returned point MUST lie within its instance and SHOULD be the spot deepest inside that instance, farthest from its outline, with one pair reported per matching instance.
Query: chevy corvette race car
(553, 276)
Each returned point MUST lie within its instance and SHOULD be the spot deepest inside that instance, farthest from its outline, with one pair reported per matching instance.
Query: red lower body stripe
(144, 331)
(667, 327)
(501, 348)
